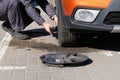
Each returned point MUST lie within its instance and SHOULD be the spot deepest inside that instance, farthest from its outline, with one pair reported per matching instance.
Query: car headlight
(86, 15)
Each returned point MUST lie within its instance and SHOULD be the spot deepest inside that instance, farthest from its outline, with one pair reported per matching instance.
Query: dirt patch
(22, 44)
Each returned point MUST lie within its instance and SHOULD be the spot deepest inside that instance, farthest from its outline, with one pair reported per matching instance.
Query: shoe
(6, 26)
(16, 35)
(20, 35)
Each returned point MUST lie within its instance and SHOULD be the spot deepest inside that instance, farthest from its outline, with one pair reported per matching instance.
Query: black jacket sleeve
(30, 9)
(45, 5)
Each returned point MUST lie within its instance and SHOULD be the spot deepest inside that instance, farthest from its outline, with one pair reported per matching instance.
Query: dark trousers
(15, 17)
(14, 12)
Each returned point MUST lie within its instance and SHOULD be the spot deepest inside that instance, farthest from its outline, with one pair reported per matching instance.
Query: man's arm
(34, 15)
(30, 9)
(45, 5)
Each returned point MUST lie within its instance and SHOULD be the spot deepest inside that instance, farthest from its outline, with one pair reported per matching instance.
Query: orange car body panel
(70, 5)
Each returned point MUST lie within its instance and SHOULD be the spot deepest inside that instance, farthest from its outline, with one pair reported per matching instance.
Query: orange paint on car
(70, 5)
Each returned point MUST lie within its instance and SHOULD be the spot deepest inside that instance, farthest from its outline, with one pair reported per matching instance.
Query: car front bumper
(108, 19)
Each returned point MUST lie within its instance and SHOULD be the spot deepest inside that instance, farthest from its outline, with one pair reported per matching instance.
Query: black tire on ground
(66, 38)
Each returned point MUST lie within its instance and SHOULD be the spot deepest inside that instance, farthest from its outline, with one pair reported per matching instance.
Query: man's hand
(47, 27)
(56, 20)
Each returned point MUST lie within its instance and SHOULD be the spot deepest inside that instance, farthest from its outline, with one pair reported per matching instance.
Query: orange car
(86, 16)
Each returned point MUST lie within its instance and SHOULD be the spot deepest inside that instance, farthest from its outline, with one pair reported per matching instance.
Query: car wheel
(66, 38)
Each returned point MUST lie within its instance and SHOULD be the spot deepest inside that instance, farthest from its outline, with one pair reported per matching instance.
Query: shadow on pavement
(38, 33)
(104, 41)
